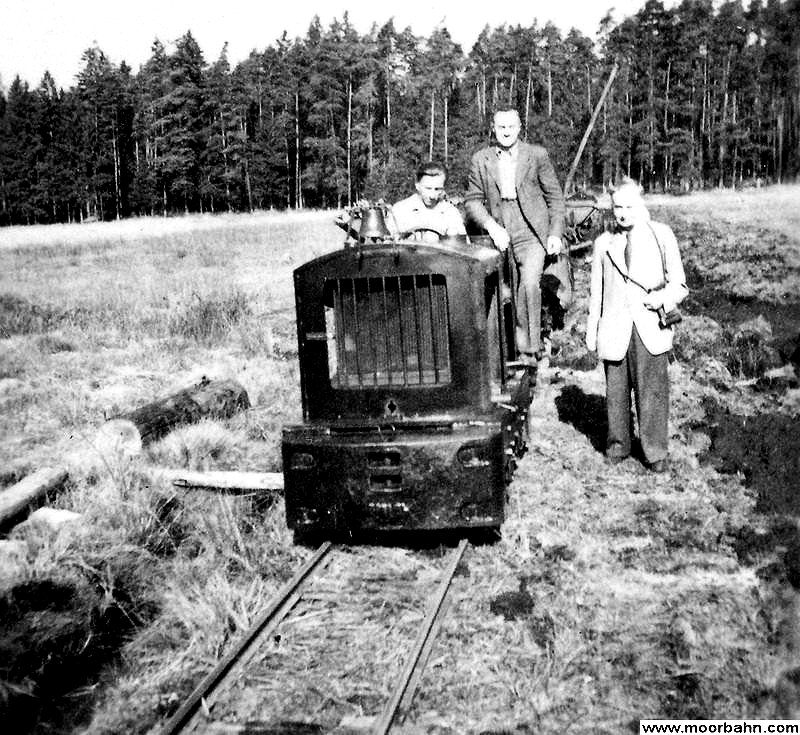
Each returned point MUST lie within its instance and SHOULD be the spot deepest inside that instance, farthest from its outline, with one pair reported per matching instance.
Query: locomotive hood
(395, 330)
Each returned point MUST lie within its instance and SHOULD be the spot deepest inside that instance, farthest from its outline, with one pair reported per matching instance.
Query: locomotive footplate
(430, 476)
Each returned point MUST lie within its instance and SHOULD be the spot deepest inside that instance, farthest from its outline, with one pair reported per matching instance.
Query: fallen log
(29, 491)
(225, 480)
(217, 399)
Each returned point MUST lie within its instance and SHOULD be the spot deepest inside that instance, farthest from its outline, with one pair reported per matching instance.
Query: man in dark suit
(515, 196)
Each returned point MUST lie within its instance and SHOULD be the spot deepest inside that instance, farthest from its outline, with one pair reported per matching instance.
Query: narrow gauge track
(235, 689)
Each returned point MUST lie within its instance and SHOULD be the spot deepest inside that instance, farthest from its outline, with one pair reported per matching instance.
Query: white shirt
(412, 214)
(507, 171)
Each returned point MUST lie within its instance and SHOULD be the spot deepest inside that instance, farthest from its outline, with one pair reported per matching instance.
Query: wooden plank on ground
(225, 480)
(30, 490)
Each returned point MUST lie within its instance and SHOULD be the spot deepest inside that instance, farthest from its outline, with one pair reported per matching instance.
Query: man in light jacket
(636, 273)
(515, 196)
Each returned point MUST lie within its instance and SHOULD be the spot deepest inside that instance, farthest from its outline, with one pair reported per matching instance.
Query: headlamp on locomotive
(413, 407)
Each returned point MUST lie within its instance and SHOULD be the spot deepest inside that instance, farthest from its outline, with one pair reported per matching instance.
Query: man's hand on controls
(499, 235)
(554, 245)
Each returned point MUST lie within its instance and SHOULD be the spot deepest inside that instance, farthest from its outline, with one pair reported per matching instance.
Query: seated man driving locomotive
(426, 215)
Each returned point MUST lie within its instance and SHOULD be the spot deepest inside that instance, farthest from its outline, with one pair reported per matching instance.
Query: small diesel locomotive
(414, 406)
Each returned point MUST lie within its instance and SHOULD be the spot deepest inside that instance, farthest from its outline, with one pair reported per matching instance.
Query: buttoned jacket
(618, 292)
(538, 191)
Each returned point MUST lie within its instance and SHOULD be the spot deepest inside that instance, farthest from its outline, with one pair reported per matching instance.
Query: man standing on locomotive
(637, 281)
(427, 215)
(515, 196)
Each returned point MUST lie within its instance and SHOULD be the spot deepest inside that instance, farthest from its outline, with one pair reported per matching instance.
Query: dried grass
(200, 446)
(211, 317)
(640, 604)
(19, 316)
(201, 303)
(135, 337)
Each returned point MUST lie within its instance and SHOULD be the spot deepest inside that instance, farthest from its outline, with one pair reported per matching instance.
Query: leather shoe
(659, 466)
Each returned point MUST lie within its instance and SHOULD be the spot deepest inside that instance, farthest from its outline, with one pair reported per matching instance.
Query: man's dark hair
(431, 168)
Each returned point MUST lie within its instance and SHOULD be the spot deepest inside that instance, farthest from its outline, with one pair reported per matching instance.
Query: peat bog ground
(612, 595)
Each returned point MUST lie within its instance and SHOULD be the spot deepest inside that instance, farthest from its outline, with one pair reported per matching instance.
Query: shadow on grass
(586, 412)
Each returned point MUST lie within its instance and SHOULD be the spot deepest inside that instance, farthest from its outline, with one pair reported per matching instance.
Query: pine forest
(703, 95)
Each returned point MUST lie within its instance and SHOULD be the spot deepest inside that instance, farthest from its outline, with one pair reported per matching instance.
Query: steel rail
(412, 673)
(273, 614)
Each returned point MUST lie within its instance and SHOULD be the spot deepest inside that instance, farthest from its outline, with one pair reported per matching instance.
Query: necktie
(628, 250)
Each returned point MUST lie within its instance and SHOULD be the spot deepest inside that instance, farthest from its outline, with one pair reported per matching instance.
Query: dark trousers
(528, 254)
(647, 375)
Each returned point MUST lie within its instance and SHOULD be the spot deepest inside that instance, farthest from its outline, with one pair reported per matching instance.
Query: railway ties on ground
(195, 714)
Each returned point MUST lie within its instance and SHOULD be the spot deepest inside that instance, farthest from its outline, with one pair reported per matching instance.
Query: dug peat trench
(361, 610)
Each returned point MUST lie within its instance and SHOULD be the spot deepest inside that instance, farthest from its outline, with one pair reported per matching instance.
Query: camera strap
(663, 265)
(661, 253)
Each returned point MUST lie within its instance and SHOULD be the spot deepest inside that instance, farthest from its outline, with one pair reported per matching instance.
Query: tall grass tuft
(256, 338)
(748, 354)
(49, 344)
(202, 446)
(20, 316)
(210, 317)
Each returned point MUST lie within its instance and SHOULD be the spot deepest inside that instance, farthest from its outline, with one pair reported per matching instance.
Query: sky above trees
(51, 35)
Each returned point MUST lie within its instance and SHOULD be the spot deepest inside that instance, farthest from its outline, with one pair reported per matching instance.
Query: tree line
(704, 96)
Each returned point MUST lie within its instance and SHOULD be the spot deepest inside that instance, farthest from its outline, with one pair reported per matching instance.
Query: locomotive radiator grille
(391, 330)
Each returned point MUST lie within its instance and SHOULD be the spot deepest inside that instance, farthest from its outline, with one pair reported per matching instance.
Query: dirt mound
(49, 628)
(57, 638)
(764, 448)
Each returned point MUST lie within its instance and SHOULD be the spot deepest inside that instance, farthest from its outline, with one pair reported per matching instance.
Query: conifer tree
(707, 94)
(183, 125)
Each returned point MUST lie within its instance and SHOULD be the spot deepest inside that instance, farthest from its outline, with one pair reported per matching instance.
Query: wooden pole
(574, 167)
(217, 399)
(29, 491)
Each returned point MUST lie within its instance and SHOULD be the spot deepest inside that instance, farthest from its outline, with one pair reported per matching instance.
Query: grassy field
(612, 595)
(100, 319)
